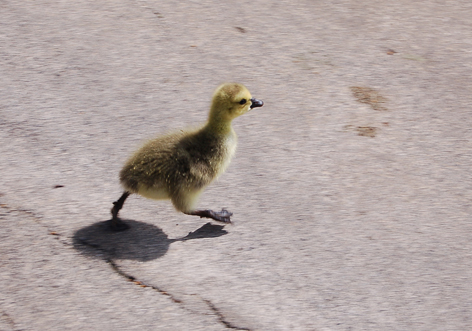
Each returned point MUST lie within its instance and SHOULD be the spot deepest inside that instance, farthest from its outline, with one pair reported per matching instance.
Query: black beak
(256, 103)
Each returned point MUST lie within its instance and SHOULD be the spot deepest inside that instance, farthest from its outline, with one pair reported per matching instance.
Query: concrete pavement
(351, 187)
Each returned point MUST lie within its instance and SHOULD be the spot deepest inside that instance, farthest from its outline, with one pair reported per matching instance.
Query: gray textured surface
(348, 215)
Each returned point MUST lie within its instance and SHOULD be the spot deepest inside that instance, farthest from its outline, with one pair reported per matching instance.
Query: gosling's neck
(217, 124)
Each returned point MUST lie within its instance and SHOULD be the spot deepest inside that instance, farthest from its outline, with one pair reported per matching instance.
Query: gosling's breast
(229, 146)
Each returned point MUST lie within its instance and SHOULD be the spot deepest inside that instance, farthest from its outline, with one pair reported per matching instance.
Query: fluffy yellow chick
(178, 166)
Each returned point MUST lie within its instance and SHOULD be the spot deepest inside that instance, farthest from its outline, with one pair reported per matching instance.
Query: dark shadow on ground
(142, 242)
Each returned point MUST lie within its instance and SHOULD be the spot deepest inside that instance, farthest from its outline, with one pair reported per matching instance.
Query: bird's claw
(223, 216)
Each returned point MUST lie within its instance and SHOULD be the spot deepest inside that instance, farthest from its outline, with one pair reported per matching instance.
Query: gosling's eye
(242, 102)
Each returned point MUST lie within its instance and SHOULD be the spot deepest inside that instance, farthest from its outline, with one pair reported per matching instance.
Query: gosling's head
(231, 100)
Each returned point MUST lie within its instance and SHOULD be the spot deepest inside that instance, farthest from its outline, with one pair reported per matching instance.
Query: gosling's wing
(192, 170)
(150, 165)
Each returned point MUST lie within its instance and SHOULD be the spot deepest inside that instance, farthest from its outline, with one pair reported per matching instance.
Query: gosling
(178, 166)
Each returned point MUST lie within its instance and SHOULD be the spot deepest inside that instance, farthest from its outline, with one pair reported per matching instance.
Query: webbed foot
(223, 216)
(116, 224)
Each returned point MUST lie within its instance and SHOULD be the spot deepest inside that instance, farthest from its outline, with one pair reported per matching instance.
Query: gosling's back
(182, 161)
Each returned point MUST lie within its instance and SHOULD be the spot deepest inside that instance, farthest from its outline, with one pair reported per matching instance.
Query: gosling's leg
(185, 200)
(116, 223)
(221, 216)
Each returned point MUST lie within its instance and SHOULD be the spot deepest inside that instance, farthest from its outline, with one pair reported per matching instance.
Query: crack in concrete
(133, 279)
(115, 267)
(222, 319)
(129, 277)
(36, 218)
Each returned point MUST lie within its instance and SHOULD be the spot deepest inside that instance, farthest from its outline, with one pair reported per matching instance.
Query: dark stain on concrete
(369, 96)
